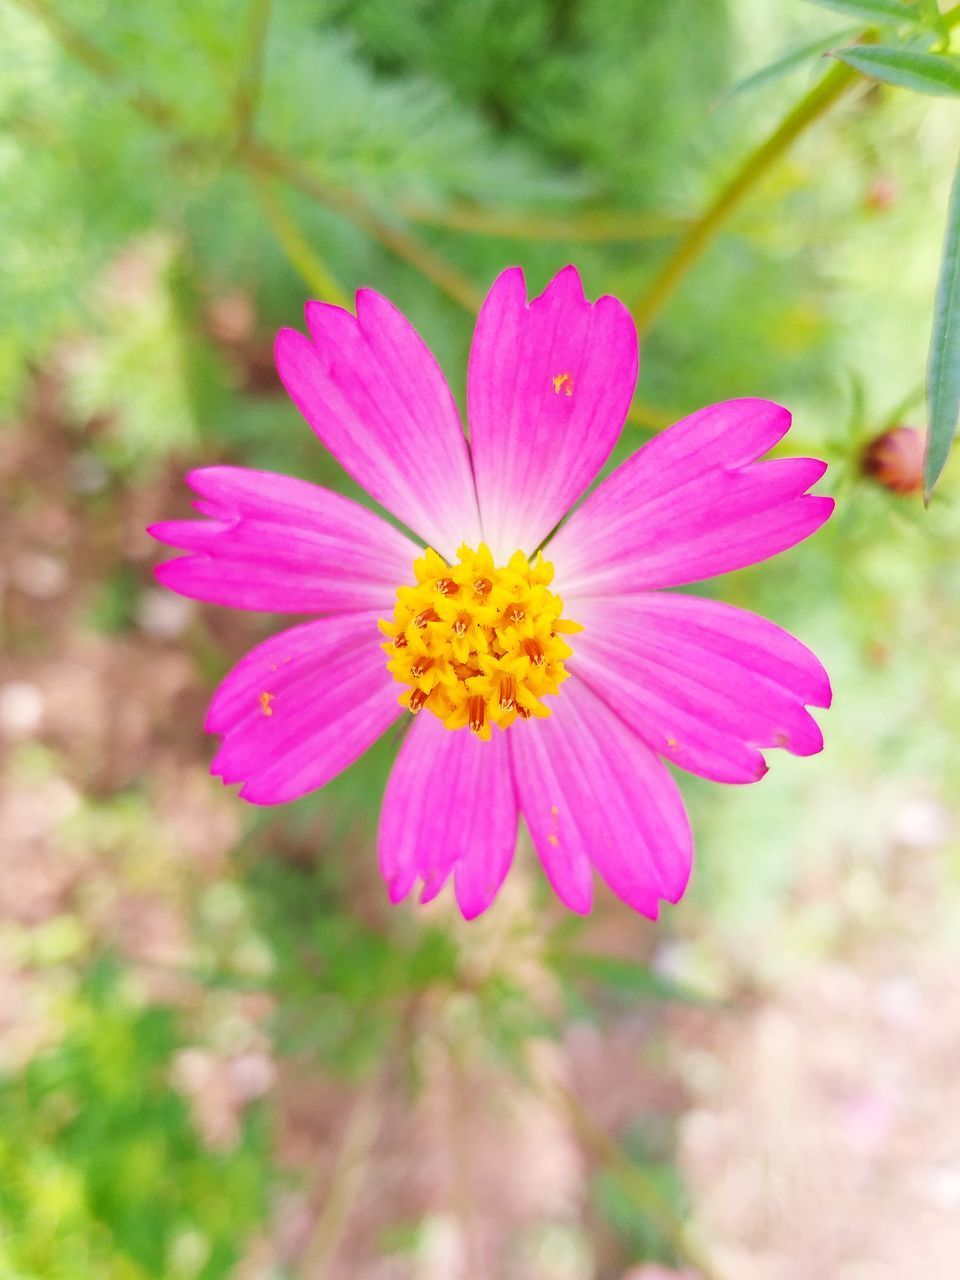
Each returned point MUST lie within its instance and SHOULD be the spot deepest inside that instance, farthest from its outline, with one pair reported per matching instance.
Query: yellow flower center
(475, 644)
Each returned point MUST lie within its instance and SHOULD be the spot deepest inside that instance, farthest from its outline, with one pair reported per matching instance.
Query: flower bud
(895, 459)
(883, 193)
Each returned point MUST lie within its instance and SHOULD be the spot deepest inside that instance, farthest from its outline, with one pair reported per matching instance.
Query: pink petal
(703, 683)
(449, 807)
(690, 504)
(301, 707)
(284, 546)
(373, 393)
(548, 390)
(594, 795)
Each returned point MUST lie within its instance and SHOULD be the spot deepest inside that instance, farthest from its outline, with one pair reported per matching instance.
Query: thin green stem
(82, 50)
(838, 81)
(267, 160)
(400, 242)
(642, 1189)
(296, 247)
(246, 101)
(596, 225)
(345, 1183)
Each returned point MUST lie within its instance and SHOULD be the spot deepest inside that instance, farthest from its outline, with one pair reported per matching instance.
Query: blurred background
(221, 1053)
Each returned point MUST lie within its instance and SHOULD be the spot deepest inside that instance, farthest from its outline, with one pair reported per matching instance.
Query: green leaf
(790, 61)
(943, 369)
(922, 72)
(883, 11)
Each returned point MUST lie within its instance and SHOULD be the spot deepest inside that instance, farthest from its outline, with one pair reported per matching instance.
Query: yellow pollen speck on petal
(672, 742)
(552, 839)
(265, 700)
(476, 643)
(563, 383)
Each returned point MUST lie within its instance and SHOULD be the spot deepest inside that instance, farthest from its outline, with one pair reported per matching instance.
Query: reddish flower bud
(895, 459)
(883, 193)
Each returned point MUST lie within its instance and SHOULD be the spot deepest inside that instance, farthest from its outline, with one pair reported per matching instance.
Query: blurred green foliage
(101, 1170)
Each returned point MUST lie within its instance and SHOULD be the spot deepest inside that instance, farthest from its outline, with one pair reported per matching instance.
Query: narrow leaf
(906, 68)
(790, 61)
(882, 11)
(943, 369)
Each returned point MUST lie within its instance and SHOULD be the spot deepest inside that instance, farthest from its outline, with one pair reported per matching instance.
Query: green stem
(267, 160)
(400, 242)
(82, 50)
(837, 82)
(645, 1193)
(246, 101)
(593, 225)
(345, 1184)
(299, 252)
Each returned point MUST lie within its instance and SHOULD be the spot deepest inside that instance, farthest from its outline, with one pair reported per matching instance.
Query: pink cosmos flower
(548, 672)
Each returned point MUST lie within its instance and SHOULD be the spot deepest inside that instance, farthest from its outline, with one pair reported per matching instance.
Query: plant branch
(82, 50)
(346, 1182)
(838, 81)
(643, 1190)
(246, 100)
(587, 225)
(400, 242)
(296, 247)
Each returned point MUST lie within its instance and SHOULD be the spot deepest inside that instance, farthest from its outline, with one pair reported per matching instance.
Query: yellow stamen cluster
(476, 644)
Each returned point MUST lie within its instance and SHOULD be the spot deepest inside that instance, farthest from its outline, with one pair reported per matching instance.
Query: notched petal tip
(397, 890)
(567, 287)
(580, 907)
(825, 699)
(817, 468)
(469, 909)
(825, 503)
(165, 572)
(251, 794)
(510, 281)
(368, 302)
(757, 406)
(289, 348)
(314, 308)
